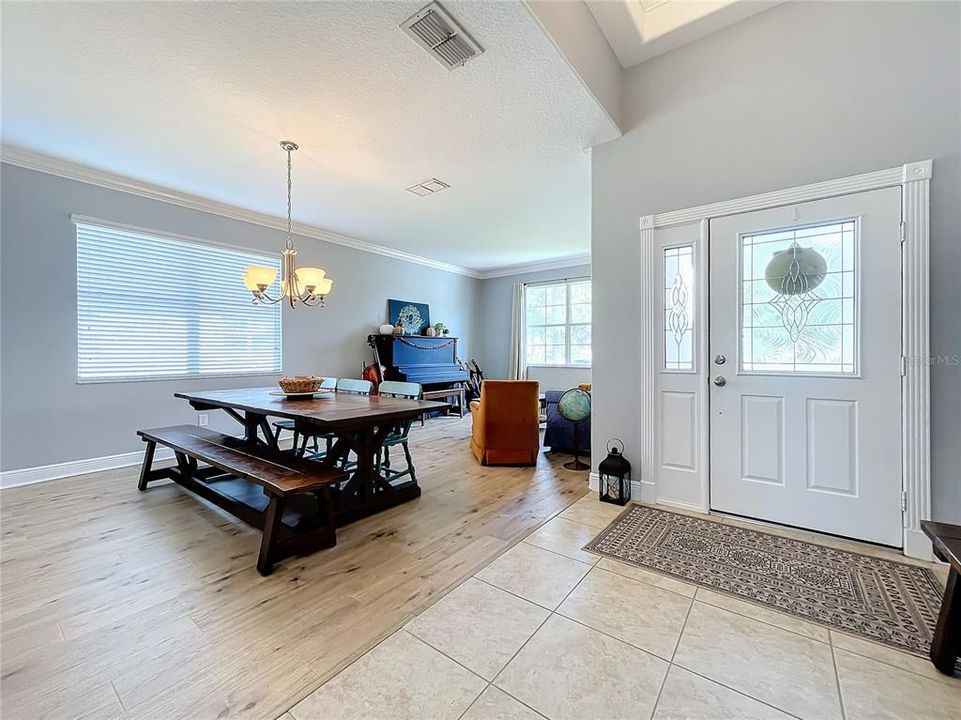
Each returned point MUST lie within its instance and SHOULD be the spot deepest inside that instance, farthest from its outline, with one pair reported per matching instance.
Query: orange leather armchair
(506, 423)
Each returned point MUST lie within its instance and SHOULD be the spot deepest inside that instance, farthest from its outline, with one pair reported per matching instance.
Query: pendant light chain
(290, 242)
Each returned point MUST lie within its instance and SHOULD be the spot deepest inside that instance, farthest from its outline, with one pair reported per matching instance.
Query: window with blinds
(152, 307)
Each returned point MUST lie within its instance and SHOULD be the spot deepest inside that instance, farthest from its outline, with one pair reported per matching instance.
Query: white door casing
(656, 485)
(806, 428)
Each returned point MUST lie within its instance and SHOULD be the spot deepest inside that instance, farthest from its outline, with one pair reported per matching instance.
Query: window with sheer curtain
(558, 323)
(152, 307)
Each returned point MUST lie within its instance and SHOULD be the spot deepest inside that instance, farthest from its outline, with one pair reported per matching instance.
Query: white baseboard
(917, 545)
(594, 481)
(43, 473)
(638, 491)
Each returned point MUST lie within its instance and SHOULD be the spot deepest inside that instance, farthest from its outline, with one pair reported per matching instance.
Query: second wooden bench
(288, 498)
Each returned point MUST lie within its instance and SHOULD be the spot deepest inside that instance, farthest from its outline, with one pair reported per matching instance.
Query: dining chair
(399, 435)
(357, 387)
(300, 445)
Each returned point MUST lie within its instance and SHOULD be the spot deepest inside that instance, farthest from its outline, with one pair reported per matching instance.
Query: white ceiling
(196, 96)
(638, 30)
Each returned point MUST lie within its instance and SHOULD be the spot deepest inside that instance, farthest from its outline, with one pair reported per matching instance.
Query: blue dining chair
(300, 445)
(399, 435)
(356, 387)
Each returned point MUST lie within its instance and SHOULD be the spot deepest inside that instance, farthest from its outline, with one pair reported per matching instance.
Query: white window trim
(567, 325)
(78, 219)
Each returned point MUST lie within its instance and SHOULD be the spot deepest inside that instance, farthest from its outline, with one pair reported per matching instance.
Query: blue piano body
(430, 361)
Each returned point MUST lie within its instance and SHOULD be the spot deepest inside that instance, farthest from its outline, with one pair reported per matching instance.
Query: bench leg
(147, 464)
(946, 643)
(327, 497)
(275, 512)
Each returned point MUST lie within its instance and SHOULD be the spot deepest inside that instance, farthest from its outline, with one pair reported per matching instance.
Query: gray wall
(797, 94)
(47, 418)
(494, 324)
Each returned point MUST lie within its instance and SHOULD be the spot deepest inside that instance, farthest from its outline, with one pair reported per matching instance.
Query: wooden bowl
(300, 383)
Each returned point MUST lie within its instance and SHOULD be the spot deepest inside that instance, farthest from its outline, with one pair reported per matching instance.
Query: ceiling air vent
(440, 35)
(428, 187)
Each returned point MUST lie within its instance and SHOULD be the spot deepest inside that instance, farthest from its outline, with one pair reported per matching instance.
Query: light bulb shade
(310, 277)
(251, 285)
(259, 276)
(795, 270)
(324, 286)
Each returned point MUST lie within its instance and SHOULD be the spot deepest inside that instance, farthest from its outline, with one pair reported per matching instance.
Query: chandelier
(307, 285)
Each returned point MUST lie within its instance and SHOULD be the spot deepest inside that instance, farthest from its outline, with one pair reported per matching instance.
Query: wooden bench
(454, 392)
(946, 643)
(288, 498)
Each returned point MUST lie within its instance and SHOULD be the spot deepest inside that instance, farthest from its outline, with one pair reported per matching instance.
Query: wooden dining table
(360, 423)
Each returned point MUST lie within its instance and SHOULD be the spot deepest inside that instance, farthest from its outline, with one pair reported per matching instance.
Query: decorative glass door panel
(799, 300)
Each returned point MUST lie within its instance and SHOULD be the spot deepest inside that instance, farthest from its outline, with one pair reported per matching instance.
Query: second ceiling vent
(439, 34)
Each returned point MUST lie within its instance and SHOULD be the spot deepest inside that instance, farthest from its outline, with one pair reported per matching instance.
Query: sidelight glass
(679, 308)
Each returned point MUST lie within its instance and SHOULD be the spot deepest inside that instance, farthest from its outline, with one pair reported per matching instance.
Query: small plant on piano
(440, 328)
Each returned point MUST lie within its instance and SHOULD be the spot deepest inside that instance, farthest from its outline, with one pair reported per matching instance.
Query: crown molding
(40, 162)
(537, 266)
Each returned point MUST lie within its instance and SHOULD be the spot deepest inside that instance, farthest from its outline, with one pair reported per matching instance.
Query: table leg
(946, 643)
(368, 441)
(256, 424)
(367, 491)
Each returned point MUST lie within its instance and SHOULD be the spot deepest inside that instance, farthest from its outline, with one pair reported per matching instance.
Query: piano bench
(447, 394)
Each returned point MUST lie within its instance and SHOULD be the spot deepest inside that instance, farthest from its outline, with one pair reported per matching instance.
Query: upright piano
(429, 361)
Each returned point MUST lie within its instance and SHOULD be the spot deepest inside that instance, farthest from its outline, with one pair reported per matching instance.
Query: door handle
(720, 381)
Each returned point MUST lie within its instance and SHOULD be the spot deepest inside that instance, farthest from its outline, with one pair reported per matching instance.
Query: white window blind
(152, 307)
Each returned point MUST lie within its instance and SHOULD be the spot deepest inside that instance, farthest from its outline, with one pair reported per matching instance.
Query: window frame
(256, 254)
(567, 325)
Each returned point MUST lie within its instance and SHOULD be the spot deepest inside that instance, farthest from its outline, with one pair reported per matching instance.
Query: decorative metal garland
(424, 347)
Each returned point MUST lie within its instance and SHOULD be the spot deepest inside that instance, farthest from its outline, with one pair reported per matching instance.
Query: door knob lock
(720, 359)
(720, 381)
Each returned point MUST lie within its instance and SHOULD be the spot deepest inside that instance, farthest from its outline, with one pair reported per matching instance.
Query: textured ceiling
(195, 97)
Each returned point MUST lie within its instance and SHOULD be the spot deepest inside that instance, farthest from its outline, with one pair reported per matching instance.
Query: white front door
(805, 365)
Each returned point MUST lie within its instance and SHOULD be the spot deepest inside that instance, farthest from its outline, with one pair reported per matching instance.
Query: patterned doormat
(889, 602)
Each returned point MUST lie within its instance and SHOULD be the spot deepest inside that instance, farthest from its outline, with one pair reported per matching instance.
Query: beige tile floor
(549, 631)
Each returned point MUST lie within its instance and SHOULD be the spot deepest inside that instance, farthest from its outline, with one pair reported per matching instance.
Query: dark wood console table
(946, 643)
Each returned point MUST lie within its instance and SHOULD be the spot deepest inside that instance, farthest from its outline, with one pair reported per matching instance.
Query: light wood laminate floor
(120, 604)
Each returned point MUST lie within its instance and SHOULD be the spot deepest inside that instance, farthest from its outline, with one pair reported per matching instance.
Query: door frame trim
(914, 179)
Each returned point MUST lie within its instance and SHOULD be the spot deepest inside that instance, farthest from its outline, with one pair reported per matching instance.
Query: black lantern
(615, 475)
